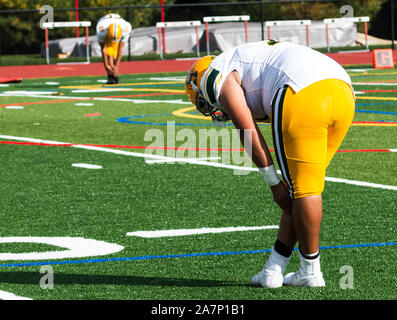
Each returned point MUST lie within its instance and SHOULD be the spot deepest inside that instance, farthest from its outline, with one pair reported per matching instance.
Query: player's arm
(233, 101)
(118, 60)
(106, 60)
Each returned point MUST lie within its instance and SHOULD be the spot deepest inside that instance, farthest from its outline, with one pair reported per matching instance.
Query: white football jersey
(104, 23)
(266, 66)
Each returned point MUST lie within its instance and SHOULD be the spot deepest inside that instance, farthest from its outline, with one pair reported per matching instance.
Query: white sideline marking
(192, 161)
(178, 101)
(153, 156)
(27, 93)
(189, 232)
(86, 166)
(375, 84)
(361, 183)
(97, 90)
(181, 79)
(14, 107)
(188, 159)
(52, 83)
(4, 94)
(359, 70)
(84, 104)
(4, 295)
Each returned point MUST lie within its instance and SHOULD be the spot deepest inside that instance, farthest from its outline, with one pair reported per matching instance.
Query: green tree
(23, 28)
(23, 34)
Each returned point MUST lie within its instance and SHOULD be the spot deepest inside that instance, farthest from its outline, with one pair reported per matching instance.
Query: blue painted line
(129, 121)
(375, 111)
(376, 103)
(186, 255)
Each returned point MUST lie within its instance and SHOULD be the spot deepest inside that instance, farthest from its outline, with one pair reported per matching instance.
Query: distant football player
(112, 33)
(310, 102)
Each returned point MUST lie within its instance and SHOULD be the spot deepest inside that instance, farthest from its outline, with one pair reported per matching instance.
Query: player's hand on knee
(282, 198)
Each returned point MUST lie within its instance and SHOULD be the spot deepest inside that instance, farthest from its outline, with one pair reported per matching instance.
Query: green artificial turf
(43, 195)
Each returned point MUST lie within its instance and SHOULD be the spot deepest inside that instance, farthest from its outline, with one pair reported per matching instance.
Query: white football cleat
(272, 274)
(268, 279)
(299, 279)
(308, 275)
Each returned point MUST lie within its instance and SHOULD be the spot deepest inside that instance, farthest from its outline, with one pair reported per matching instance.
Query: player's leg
(110, 62)
(342, 117)
(116, 62)
(309, 149)
(300, 137)
(271, 275)
(109, 74)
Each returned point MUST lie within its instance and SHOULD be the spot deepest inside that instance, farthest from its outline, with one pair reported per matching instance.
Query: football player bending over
(310, 102)
(112, 34)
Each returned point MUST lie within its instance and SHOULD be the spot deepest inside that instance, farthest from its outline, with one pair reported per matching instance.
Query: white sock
(310, 266)
(276, 262)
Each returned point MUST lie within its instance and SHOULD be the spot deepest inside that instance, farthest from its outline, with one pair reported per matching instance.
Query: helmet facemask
(203, 106)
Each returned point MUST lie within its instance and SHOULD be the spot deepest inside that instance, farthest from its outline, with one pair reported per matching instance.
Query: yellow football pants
(308, 128)
(112, 49)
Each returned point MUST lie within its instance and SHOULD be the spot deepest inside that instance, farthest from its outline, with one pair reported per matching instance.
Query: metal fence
(24, 34)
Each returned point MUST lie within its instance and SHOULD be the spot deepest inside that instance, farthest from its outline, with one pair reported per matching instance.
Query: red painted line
(157, 148)
(366, 150)
(141, 67)
(92, 114)
(41, 102)
(374, 122)
(10, 80)
(95, 69)
(37, 143)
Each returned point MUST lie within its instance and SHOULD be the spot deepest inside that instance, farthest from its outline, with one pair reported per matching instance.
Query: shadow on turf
(19, 277)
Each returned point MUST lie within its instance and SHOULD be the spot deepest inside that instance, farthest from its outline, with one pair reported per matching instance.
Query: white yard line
(192, 161)
(171, 160)
(86, 166)
(97, 90)
(375, 84)
(44, 96)
(27, 93)
(14, 107)
(181, 79)
(176, 101)
(189, 232)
